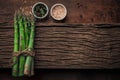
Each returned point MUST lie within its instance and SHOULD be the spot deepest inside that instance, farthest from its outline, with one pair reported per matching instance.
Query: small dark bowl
(40, 4)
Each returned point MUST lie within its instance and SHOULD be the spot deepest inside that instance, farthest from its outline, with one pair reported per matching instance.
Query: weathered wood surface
(69, 47)
(79, 11)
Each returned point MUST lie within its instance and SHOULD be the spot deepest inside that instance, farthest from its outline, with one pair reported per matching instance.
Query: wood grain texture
(69, 47)
(76, 42)
(79, 11)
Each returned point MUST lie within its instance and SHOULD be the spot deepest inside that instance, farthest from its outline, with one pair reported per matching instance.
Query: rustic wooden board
(68, 47)
(70, 44)
(79, 11)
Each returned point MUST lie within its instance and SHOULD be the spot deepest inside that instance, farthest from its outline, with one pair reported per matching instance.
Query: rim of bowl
(34, 12)
(57, 4)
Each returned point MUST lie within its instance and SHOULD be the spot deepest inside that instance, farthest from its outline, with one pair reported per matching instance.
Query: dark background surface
(65, 74)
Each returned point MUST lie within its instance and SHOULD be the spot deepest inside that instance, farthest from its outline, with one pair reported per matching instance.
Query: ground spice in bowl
(58, 11)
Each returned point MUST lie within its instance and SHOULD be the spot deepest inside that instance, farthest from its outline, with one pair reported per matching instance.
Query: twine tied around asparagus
(25, 52)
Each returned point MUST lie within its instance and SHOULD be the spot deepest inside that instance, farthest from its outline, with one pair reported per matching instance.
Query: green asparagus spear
(29, 59)
(22, 46)
(16, 46)
(26, 31)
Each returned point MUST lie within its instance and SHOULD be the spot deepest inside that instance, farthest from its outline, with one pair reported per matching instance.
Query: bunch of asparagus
(23, 43)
